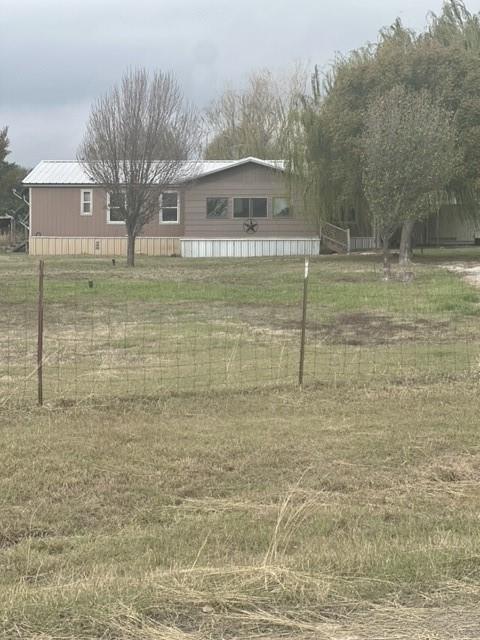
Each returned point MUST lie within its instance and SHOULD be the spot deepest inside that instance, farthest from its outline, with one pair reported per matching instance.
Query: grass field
(185, 325)
(244, 515)
(349, 510)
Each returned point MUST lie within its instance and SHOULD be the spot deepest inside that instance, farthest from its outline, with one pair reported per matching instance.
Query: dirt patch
(470, 272)
(374, 329)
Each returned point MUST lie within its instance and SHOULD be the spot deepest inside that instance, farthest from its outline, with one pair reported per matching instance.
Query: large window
(86, 202)
(115, 208)
(169, 202)
(217, 207)
(249, 207)
(281, 208)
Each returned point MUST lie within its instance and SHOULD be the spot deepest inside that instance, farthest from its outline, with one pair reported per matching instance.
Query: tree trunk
(406, 242)
(386, 257)
(131, 250)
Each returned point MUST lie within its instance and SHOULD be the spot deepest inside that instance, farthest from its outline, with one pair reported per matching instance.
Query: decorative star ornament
(250, 226)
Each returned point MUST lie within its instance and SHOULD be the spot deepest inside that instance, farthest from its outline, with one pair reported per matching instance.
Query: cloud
(57, 56)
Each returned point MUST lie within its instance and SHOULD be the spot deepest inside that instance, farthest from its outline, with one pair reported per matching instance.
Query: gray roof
(70, 172)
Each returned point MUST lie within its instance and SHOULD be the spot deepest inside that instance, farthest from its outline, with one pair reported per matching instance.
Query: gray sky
(56, 56)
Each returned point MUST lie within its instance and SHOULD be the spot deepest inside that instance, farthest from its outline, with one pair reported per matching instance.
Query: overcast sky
(56, 56)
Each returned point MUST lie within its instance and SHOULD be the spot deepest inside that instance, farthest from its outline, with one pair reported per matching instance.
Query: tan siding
(249, 180)
(56, 213)
(47, 246)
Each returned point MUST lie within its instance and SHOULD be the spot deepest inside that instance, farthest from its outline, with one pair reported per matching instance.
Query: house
(450, 226)
(224, 208)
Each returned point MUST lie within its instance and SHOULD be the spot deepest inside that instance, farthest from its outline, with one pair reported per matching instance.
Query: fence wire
(193, 326)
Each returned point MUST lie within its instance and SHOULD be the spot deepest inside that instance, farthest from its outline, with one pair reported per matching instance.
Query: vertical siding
(247, 248)
(47, 246)
(450, 226)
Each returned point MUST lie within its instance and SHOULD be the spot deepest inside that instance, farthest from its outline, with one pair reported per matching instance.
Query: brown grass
(320, 514)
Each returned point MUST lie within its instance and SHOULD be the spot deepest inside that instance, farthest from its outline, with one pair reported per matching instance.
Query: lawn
(241, 515)
(178, 485)
(174, 325)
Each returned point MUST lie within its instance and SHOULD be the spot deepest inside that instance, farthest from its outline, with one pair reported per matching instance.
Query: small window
(217, 207)
(86, 204)
(116, 203)
(249, 207)
(169, 207)
(281, 208)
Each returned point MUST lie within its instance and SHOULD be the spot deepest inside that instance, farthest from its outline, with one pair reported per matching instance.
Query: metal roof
(71, 172)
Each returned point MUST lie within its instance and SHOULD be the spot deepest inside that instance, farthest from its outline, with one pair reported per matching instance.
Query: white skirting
(248, 248)
(363, 244)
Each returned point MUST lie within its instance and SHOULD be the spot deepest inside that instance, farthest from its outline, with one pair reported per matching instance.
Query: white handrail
(329, 224)
(337, 235)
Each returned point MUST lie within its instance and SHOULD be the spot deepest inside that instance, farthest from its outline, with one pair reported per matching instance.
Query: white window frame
(82, 202)
(108, 213)
(177, 221)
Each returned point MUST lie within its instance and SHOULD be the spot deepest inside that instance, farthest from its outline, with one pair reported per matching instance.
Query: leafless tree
(141, 139)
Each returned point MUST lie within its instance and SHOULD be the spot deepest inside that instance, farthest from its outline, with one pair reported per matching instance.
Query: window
(169, 207)
(115, 208)
(86, 202)
(249, 207)
(281, 208)
(217, 207)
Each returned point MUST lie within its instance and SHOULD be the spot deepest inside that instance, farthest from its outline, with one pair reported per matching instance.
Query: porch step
(19, 247)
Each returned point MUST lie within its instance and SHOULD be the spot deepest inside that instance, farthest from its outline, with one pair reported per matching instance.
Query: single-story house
(220, 208)
(227, 208)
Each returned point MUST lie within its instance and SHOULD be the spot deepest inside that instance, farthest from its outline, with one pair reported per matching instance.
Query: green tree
(330, 125)
(409, 158)
(11, 175)
(251, 122)
(4, 144)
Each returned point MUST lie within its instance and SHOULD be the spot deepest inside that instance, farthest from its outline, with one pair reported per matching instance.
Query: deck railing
(336, 238)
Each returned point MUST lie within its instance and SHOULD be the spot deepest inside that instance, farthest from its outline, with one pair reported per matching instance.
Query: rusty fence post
(304, 323)
(41, 267)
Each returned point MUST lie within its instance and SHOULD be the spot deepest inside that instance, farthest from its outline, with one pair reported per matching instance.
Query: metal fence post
(304, 322)
(40, 334)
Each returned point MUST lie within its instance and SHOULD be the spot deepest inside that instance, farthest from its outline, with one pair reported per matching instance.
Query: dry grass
(276, 514)
(132, 508)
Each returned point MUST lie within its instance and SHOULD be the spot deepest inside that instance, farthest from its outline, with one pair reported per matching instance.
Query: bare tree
(142, 137)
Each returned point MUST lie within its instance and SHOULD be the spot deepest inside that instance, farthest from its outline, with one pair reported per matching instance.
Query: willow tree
(314, 168)
(330, 124)
(251, 121)
(138, 137)
(409, 152)
(456, 26)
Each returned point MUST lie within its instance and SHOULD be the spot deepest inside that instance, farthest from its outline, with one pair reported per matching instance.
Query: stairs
(18, 247)
(335, 239)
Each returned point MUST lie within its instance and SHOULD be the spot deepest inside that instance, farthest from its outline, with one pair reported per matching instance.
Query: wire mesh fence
(187, 326)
